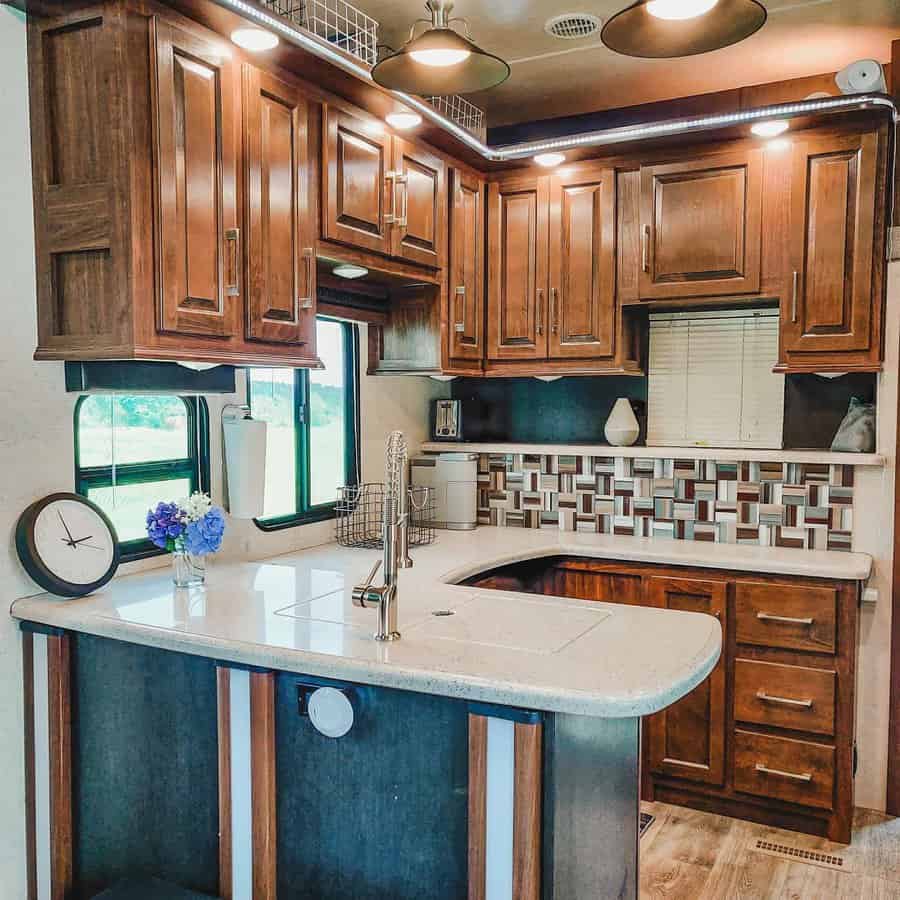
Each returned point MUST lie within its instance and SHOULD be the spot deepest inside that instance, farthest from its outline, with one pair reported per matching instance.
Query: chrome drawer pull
(794, 776)
(787, 701)
(769, 617)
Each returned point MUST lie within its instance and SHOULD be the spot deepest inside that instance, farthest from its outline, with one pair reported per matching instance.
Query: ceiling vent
(573, 26)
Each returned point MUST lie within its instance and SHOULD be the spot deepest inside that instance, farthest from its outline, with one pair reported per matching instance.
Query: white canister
(622, 427)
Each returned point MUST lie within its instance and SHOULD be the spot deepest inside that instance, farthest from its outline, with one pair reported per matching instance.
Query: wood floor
(689, 855)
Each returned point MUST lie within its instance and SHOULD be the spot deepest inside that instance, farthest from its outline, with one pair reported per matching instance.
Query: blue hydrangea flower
(205, 535)
(165, 525)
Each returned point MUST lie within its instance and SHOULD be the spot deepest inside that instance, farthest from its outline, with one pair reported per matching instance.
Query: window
(133, 451)
(311, 445)
(711, 380)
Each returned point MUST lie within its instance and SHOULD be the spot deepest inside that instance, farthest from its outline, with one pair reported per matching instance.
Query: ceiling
(553, 77)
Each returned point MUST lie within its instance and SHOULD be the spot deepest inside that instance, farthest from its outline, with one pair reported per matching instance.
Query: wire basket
(359, 516)
(467, 115)
(335, 21)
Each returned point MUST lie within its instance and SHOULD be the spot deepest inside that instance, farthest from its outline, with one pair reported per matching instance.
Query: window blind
(711, 381)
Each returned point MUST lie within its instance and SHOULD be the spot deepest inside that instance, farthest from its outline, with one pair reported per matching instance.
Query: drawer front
(784, 696)
(794, 771)
(793, 616)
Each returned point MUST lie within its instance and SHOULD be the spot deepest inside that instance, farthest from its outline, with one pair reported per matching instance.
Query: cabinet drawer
(784, 696)
(793, 616)
(794, 771)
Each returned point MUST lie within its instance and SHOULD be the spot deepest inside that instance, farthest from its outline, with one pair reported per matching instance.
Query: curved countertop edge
(444, 684)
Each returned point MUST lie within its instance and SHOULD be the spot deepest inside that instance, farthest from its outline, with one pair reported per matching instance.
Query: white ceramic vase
(622, 427)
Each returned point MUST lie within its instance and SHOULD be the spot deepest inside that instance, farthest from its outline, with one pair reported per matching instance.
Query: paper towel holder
(230, 412)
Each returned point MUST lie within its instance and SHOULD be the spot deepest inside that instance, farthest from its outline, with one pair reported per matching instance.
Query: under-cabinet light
(347, 270)
(771, 128)
(254, 39)
(403, 121)
(548, 160)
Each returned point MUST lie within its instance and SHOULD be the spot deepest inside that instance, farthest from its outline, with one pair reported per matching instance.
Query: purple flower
(205, 535)
(165, 525)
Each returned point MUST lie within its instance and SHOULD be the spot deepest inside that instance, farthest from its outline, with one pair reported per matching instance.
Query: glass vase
(188, 570)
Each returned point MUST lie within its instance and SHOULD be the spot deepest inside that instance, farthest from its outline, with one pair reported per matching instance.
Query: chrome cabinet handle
(645, 249)
(309, 257)
(391, 217)
(540, 311)
(794, 776)
(233, 262)
(460, 323)
(794, 293)
(403, 182)
(554, 322)
(787, 620)
(786, 701)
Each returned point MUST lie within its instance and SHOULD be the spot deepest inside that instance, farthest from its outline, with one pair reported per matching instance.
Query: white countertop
(740, 454)
(294, 613)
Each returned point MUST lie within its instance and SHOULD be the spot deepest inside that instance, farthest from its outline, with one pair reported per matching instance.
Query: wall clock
(67, 545)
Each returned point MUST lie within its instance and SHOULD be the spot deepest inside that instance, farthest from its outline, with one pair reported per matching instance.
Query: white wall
(36, 448)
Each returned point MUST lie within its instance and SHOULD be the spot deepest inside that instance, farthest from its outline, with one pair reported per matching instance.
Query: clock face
(67, 545)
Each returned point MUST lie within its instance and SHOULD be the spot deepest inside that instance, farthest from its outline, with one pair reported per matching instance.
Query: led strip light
(610, 136)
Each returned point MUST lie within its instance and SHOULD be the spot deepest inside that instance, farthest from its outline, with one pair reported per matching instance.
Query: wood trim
(895, 90)
(477, 805)
(223, 687)
(527, 812)
(28, 708)
(263, 801)
(60, 731)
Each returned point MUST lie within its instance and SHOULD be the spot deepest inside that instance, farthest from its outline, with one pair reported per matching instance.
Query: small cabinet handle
(794, 294)
(403, 183)
(554, 321)
(787, 620)
(391, 217)
(540, 311)
(794, 776)
(785, 701)
(645, 249)
(309, 257)
(233, 262)
(460, 324)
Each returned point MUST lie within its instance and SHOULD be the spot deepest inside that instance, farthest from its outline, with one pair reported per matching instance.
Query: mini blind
(711, 381)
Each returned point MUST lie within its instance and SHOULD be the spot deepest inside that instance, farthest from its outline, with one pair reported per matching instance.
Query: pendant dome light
(440, 61)
(663, 29)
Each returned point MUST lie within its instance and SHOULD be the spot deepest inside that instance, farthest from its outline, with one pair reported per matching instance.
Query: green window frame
(306, 511)
(194, 467)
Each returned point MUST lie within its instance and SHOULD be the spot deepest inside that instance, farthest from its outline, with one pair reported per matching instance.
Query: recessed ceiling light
(254, 39)
(770, 129)
(679, 9)
(403, 121)
(548, 160)
(347, 270)
(778, 145)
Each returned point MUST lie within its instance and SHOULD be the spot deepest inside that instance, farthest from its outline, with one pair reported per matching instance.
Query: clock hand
(92, 546)
(82, 540)
(70, 541)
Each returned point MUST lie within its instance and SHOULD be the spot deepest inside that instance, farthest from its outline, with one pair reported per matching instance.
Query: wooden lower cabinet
(769, 735)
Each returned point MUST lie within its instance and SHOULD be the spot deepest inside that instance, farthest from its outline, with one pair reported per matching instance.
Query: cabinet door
(701, 226)
(356, 158)
(466, 281)
(829, 304)
(418, 204)
(688, 739)
(583, 264)
(517, 290)
(280, 222)
(196, 132)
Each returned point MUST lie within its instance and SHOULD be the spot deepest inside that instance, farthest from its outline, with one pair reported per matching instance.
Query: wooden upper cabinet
(688, 738)
(517, 246)
(701, 229)
(356, 160)
(466, 279)
(583, 265)
(833, 300)
(196, 144)
(418, 206)
(280, 212)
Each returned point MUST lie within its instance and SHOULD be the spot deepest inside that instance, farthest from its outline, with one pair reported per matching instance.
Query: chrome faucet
(396, 544)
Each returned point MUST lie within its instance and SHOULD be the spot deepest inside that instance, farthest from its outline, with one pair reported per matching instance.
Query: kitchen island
(493, 751)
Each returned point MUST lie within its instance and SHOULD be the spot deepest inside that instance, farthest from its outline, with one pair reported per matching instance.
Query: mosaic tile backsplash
(770, 504)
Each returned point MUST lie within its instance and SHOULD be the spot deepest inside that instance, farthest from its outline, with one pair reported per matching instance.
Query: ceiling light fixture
(254, 39)
(348, 270)
(770, 129)
(440, 61)
(548, 160)
(664, 29)
(403, 121)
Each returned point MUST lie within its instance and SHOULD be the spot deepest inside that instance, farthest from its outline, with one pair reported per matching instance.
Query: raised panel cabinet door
(583, 265)
(830, 298)
(280, 220)
(356, 160)
(466, 281)
(688, 739)
(196, 134)
(417, 205)
(701, 231)
(517, 270)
